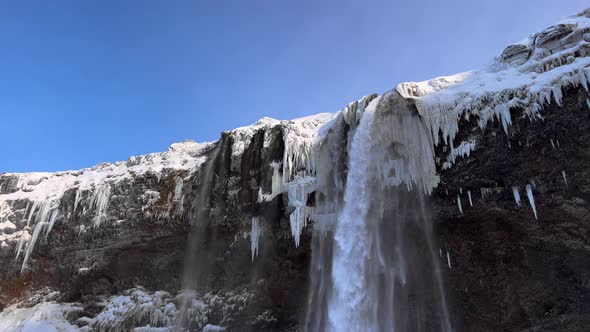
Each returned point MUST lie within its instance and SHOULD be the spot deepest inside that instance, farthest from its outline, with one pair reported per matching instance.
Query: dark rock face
(509, 271)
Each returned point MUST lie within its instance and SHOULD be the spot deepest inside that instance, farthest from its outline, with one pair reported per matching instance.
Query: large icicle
(298, 192)
(529, 193)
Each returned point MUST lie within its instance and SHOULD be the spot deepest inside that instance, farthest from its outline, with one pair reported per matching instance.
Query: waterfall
(374, 266)
(201, 250)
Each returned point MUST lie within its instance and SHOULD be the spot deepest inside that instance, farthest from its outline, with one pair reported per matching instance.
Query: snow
(213, 328)
(43, 317)
(490, 93)
(137, 307)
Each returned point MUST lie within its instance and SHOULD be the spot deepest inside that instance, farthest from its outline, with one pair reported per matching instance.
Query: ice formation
(564, 177)
(516, 194)
(255, 236)
(449, 259)
(470, 200)
(45, 316)
(529, 193)
(43, 193)
(463, 150)
(99, 201)
(391, 167)
(459, 203)
(529, 78)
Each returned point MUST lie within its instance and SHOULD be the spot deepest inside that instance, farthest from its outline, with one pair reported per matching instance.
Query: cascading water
(374, 266)
(200, 252)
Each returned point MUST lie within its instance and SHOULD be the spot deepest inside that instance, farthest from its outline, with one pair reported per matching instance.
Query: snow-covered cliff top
(40, 186)
(528, 74)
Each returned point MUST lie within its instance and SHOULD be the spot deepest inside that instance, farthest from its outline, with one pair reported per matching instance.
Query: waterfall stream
(374, 266)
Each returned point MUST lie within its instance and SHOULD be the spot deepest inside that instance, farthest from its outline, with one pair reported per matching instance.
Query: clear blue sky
(88, 81)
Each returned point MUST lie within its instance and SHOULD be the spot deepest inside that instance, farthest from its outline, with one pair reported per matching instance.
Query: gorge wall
(105, 248)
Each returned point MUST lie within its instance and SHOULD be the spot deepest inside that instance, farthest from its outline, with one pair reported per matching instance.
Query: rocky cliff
(106, 248)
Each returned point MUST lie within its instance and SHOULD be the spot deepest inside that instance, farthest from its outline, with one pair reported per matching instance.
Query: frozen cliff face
(98, 234)
(31, 203)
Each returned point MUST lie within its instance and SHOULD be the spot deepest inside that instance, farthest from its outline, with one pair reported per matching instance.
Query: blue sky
(83, 82)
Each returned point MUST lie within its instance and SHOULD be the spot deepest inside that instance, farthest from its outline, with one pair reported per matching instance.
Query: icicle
(440, 252)
(485, 192)
(557, 94)
(461, 190)
(35, 204)
(516, 195)
(54, 214)
(255, 236)
(503, 113)
(557, 142)
(564, 178)
(459, 204)
(552, 144)
(100, 201)
(588, 102)
(469, 195)
(77, 199)
(297, 193)
(26, 209)
(38, 227)
(178, 188)
(529, 193)
(583, 79)
(449, 260)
